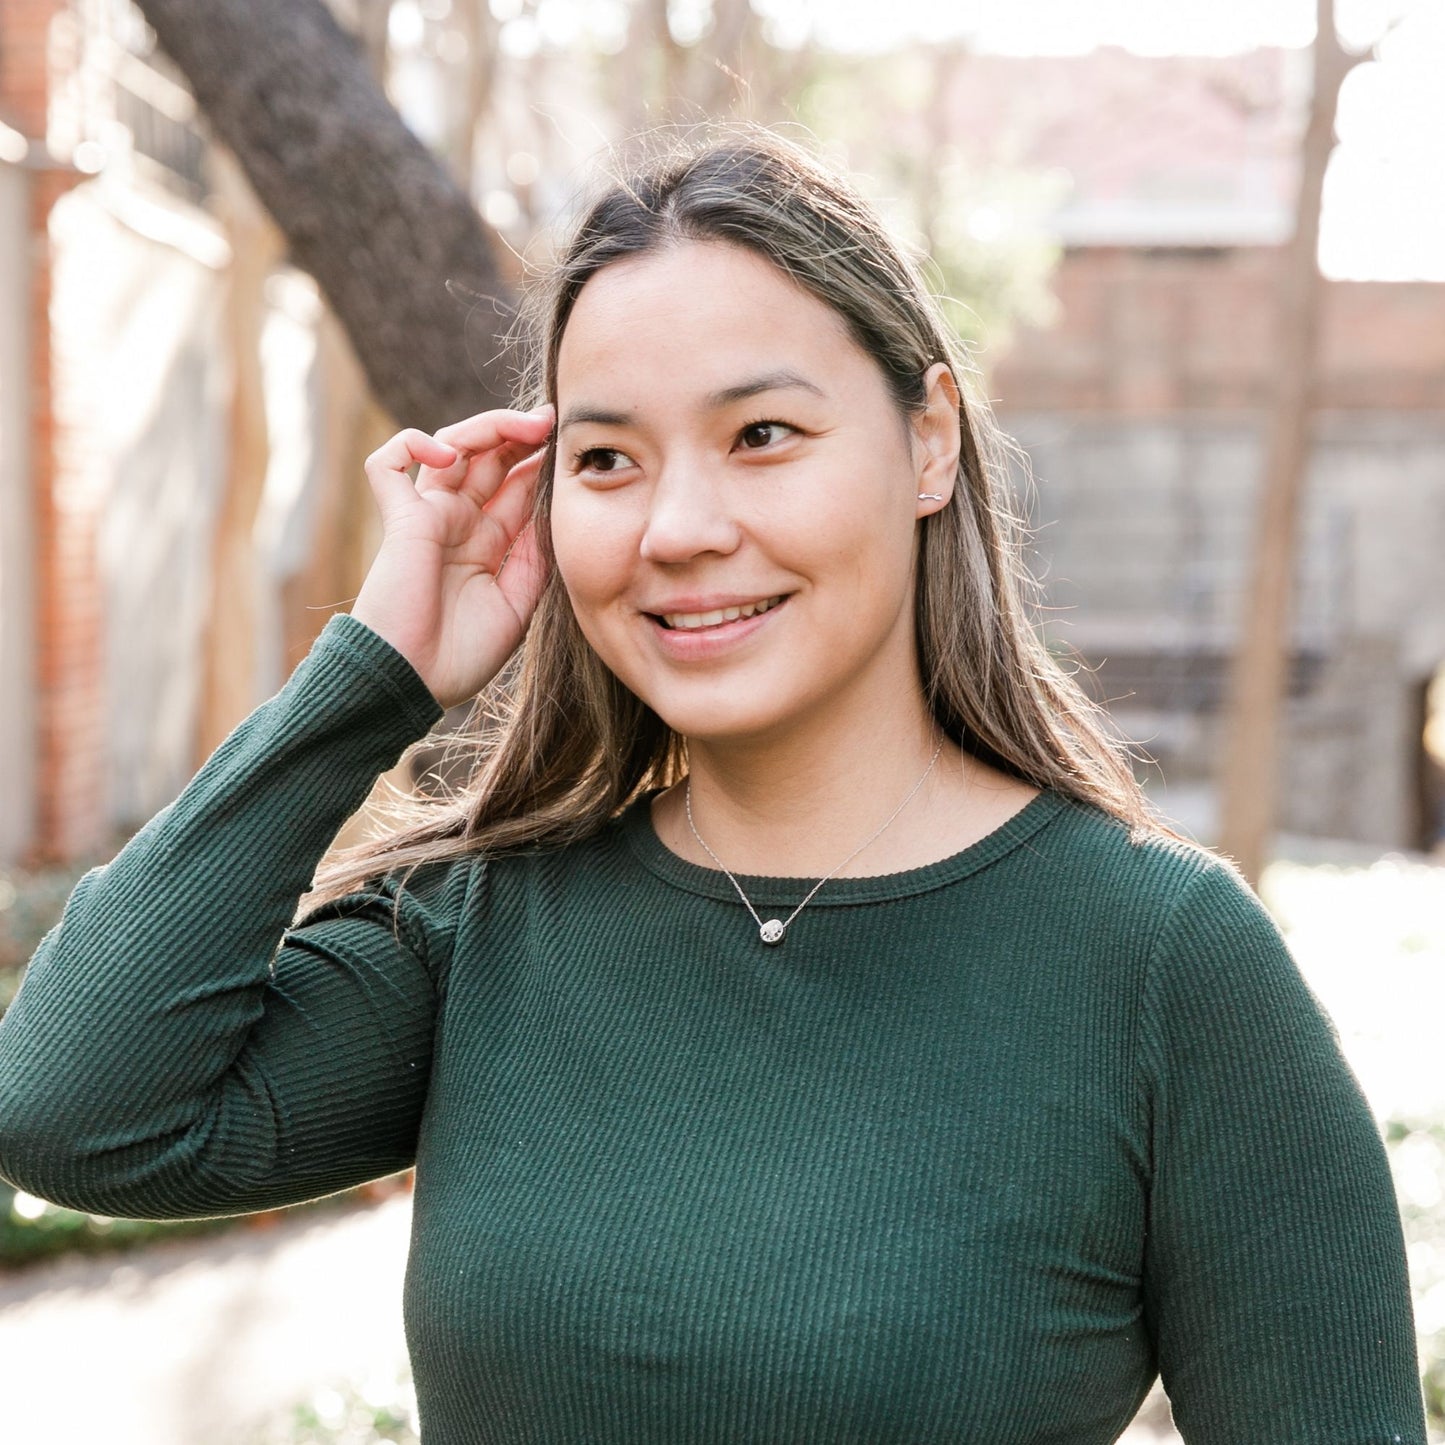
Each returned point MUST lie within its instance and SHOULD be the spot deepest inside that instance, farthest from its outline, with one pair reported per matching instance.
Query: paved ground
(188, 1342)
(194, 1342)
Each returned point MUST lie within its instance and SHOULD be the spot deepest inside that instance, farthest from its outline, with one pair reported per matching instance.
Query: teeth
(685, 621)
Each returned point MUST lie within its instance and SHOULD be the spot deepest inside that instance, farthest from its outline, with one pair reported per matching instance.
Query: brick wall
(17, 641)
(1144, 332)
(69, 702)
(1142, 412)
(66, 608)
(24, 62)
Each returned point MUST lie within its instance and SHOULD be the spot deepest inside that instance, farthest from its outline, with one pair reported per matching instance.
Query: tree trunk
(372, 23)
(670, 56)
(228, 687)
(724, 84)
(1250, 782)
(480, 29)
(364, 207)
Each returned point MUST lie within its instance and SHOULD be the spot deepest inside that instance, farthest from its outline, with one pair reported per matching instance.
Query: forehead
(696, 314)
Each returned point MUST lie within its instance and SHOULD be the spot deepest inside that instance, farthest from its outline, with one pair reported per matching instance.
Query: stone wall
(1142, 529)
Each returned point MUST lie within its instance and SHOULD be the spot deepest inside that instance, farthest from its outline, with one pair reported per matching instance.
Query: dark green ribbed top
(978, 1150)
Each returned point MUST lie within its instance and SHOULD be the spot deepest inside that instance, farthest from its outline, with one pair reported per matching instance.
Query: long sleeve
(1275, 1283)
(175, 1050)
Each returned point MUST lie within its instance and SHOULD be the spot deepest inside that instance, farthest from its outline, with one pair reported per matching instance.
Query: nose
(688, 515)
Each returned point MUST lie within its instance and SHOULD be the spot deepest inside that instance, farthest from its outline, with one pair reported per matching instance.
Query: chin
(727, 714)
(715, 724)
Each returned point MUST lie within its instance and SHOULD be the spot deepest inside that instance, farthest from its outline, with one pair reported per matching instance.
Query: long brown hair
(556, 747)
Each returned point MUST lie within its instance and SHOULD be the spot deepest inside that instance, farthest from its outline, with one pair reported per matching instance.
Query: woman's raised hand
(437, 590)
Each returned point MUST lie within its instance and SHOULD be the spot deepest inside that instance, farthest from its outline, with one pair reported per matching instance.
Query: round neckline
(787, 890)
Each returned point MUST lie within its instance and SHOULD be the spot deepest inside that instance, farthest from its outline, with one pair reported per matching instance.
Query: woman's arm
(173, 1051)
(1275, 1283)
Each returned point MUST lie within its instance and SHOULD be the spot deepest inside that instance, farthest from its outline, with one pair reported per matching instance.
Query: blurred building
(175, 410)
(1141, 411)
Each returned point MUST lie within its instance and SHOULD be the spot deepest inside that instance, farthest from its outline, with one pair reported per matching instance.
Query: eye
(599, 459)
(759, 434)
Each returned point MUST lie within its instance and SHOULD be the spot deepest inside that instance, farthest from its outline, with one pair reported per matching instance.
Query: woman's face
(735, 504)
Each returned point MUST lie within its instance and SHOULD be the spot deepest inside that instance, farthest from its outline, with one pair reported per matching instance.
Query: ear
(936, 434)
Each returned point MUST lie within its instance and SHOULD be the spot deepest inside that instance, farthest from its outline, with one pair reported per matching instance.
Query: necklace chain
(774, 929)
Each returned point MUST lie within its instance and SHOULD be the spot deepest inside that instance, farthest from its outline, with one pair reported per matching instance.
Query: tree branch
(364, 206)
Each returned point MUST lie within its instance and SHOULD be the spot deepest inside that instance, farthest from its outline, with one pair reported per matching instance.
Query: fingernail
(546, 409)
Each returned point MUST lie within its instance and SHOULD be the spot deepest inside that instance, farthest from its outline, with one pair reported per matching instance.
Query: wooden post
(229, 655)
(1250, 778)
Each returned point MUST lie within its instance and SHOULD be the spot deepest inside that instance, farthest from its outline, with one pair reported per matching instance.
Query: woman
(801, 1028)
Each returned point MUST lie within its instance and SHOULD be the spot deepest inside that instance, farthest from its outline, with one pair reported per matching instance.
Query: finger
(399, 452)
(485, 472)
(489, 429)
(512, 505)
(387, 468)
(491, 443)
(475, 475)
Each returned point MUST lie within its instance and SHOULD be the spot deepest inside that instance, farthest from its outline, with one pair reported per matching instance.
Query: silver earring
(930, 496)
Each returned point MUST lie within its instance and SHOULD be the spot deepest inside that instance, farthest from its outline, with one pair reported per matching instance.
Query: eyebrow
(713, 401)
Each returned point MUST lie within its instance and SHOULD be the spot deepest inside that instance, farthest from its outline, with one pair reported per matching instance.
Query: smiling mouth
(694, 621)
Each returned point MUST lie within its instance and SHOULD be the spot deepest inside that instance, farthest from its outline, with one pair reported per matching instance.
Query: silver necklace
(773, 930)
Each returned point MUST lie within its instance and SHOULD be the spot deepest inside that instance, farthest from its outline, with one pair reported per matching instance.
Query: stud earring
(930, 496)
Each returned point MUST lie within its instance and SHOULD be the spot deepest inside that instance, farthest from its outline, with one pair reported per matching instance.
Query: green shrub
(31, 902)
(32, 1230)
(381, 1410)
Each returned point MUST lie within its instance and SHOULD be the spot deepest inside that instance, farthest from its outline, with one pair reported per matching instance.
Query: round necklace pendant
(771, 931)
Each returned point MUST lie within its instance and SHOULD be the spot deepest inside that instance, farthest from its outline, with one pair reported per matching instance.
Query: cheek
(867, 548)
(591, 549)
